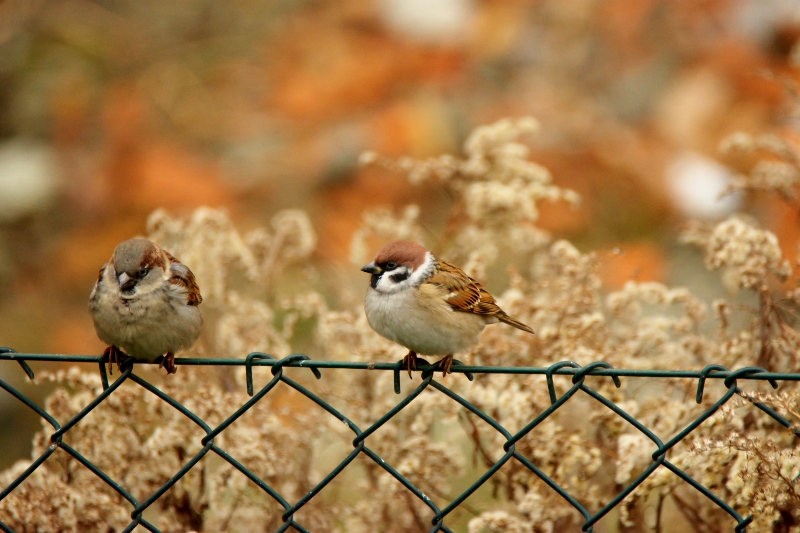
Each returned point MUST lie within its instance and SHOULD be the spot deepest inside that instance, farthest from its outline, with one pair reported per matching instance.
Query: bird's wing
(99, 280)
(463, 293)
(101, 273)
(466, 295)
(181, 276)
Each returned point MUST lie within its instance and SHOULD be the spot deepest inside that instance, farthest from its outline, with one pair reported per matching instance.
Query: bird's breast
(148, 325)
(421, 320)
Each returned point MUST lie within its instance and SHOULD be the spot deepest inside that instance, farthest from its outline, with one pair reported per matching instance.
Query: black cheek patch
(400, 276)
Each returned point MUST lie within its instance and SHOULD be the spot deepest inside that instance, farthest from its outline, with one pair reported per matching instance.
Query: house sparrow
(427, 305)
(145, 303)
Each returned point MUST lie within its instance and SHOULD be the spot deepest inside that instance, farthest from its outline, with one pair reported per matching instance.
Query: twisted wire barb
(578, 373)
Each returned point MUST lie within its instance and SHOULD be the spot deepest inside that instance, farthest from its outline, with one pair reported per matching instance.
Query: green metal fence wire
(438, 516)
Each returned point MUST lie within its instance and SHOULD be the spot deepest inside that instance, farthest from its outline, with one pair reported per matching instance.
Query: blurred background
(111, 109)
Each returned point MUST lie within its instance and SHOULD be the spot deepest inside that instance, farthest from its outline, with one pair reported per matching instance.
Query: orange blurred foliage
(636, 261)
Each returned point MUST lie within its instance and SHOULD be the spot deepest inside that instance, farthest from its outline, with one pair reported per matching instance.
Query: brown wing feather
(511, 321)
(100, 274)
(464, 293)
(469, 296)
(487, 305)
(181, 275)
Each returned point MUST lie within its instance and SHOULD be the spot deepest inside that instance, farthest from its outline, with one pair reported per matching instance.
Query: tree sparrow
(427, 305)
(145, 303)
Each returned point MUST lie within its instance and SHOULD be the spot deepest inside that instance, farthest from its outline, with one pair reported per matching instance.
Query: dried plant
(744, 457)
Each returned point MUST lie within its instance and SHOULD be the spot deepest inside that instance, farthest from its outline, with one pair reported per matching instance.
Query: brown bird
(145, 303)
(428, 305)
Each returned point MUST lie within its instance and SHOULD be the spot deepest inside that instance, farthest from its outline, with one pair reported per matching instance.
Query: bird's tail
(514, 322)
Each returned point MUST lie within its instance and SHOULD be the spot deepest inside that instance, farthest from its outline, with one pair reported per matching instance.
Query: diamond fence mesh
(438, 516)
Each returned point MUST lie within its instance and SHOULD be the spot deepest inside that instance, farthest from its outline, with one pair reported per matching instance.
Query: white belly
(146, 327)
(424, 324)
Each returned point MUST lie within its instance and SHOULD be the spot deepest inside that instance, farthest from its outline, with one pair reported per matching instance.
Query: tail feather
(514, 322)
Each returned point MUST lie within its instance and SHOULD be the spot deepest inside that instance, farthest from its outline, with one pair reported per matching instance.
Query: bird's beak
(125, 282)
(372, 268)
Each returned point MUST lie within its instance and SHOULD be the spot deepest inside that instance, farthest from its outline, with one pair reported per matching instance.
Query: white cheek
(388, 286)
(423, 272)
(384, 284)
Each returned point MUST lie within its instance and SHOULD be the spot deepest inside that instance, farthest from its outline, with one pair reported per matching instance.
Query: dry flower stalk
(747, 459)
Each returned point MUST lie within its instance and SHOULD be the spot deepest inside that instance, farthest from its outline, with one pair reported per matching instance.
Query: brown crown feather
(402, 252)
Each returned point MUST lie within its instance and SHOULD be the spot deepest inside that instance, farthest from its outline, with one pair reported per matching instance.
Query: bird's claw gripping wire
(122, 359)
(425, 367)
(406, 364)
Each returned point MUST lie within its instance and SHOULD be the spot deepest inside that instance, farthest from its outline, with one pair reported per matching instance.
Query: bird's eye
(143, 272)
(391, 265)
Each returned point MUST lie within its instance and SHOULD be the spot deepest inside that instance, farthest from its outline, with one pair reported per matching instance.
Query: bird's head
(139, 266)
(399, 265)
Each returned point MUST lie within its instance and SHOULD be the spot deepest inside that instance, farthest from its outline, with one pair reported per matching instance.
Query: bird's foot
(410, 361)
(445, 365)
(112, 354)
(168, 362)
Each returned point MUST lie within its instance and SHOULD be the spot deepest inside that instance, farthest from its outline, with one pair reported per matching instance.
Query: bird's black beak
(372, 268)
(126, 282)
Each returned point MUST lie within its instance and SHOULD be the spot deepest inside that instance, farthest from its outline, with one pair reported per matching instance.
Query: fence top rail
(557, 399)
(465, 369)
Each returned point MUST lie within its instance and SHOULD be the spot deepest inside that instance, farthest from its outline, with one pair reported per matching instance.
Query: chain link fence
(439, 515)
